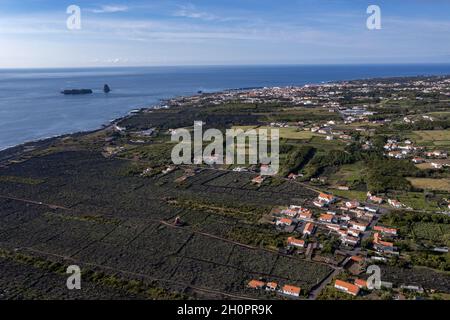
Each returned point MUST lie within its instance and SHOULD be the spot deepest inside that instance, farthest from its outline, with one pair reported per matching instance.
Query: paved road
(314, 293)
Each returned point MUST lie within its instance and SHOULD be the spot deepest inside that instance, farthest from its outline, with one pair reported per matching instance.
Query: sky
(34, 33)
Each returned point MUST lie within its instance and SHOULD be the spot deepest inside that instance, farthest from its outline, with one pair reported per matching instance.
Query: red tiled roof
(361, 283)
(291, 289)
(357, 258)
(326, 217)
(384, 229)
(294, 241)
(286, 220)
(272, 285)
(309, 227)
(256, 284)
(306, 214)
(385, 243)
(377, 240)
(350, 288)
(326, 196)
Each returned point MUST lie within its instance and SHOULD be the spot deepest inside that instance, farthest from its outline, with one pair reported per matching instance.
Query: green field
(432, 231)
(430, 184)
(285, 133)
(351, 194)
(348, 173)
(417, 200)
(432, 138)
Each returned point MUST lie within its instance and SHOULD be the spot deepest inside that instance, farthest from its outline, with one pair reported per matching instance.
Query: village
(363, 181)
(347, 220)
(353, 223)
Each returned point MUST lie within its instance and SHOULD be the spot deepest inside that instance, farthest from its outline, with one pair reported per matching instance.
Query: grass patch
(351, 194)
(430, 184)
(417, 200)
(285, 133)
(432, 231)
(350, 173)
(432, 138)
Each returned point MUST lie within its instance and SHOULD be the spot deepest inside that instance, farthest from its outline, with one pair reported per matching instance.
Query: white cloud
(190, 11)
(43, 39)
(110, 9)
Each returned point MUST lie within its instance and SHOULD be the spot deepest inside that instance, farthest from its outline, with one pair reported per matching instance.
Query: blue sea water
(32, 107)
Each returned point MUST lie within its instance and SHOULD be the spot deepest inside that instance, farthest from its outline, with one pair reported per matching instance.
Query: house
(352, 204)
(345, 137)
(361, 283)
(296, 242)
(349, 240)
(292, 176)
(289, 212)
(320, 203)
(309, 228)
(271, 286)
(326, 218)
(418, 160)
(436, 165)
(305, 215)
(385, 244)
(354, 232)
(291, 290)
(412, 288)
(395, 203)
(436, 154)
(373, 209)
(256, 284)
(342, 232)
(380, 244)
(346, 287)
(357, 259)
(358, 226)
(284, 222)
(333, 226)
(385, 230)
(258, 180)
(376, 199)
(328, 198)
(396, 154)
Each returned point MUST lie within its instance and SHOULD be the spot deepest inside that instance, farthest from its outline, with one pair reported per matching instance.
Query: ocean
(32, 107)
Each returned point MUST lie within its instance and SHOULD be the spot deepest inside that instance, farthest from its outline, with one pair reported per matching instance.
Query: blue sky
(33, 33)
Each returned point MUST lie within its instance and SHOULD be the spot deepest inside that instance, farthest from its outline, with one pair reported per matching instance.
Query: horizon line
(231, 65)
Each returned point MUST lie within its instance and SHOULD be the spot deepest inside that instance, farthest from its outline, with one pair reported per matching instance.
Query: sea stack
(106, 88)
